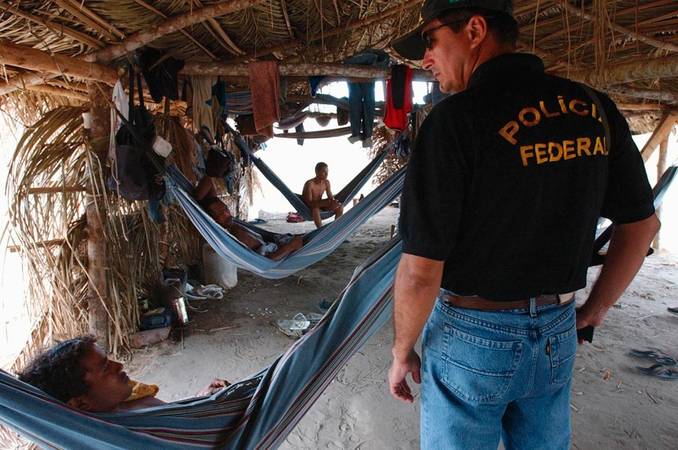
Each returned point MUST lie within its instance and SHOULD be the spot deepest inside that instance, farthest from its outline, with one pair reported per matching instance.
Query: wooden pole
(96, 242)
(660, 133)
(661, 168)
(38, 60)
(647, 69)
(298, 70)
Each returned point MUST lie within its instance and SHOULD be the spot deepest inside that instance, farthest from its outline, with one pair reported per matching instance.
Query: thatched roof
(628, 47)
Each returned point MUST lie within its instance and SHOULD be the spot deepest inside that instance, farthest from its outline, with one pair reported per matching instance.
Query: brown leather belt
(475, 302)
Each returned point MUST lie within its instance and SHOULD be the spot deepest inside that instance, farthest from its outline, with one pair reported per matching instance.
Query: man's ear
(81, 403)
(476, 30)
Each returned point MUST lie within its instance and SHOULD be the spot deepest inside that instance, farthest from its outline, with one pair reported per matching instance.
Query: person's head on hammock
(79, 373)
(217, 210)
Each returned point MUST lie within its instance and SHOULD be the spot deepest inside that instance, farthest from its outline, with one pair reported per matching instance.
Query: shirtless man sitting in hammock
(313, 192)
(79, 373)
(206, 195)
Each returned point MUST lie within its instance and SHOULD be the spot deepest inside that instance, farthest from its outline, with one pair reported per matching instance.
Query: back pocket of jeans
(562, 353)
(478, 369)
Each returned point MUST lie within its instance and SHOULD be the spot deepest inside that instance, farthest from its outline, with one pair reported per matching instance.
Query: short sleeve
(628, 197)
(433, 192)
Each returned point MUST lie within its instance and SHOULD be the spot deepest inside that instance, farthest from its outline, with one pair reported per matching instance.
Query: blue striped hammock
(317, 244)
(258, 412)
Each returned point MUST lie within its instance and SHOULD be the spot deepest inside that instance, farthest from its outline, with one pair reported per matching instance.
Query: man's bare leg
(295, 244)
(317, 220)
(338, 212)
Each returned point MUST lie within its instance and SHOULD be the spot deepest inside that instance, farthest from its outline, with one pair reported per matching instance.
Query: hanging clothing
(398, 97)
(121, 102)
(361, 110)
(202, 94)
(265, 90)
(161, 73)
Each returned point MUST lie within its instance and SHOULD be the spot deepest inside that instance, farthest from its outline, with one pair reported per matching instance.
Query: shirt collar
(500, 67)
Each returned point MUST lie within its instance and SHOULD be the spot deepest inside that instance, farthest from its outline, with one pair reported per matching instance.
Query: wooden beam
(642, 107)
(619, 29)
(647, 69)
(23, 81)
(172, 25)
(54, 189)
(660, 133)
(33, 59)
(53, 90)
(41, 244)
(303, 70)
(57, 29)
(319, 134)
(647, 94)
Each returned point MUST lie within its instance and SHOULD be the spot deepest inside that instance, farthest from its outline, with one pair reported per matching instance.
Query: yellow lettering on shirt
(509, 130)
(599, 147)
(526, 152)
(547, 114)
(540, 152)
(561, 102)
(558, 154)
(583, 145)
(580, 111)
(536, 117)
(568, 150)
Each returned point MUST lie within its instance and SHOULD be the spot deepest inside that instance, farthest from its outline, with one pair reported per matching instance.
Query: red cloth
(265, 90)
(396, 118)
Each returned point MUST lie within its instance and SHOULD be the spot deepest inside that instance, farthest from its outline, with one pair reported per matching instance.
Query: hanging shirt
(398, 97)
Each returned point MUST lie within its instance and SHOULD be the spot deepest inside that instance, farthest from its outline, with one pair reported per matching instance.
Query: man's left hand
(397, 376)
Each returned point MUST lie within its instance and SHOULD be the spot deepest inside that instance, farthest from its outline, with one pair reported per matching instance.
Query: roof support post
(97, 260)
(661, 168)
(661, 132)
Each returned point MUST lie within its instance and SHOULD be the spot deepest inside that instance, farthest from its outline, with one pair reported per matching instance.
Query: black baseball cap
(412, 45)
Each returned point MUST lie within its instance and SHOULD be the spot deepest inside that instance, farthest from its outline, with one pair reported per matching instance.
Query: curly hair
(58, 371)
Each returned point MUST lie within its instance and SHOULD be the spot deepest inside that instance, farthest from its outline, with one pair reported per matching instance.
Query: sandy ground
(613, 406)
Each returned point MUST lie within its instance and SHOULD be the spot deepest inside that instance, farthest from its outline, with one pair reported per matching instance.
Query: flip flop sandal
(673, 310)
(655, 355)
(660, 371)
(295, 327)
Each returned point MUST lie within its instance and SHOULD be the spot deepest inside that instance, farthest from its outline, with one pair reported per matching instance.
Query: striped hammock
(258, 412)
(317, 244)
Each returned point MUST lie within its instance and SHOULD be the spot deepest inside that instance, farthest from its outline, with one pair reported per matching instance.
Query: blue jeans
(491, 375)
(361, 109)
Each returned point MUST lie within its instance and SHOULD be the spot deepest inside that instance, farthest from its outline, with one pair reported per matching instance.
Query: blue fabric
(257, 412)
(318, 243)
(488, 374)
(361, 104)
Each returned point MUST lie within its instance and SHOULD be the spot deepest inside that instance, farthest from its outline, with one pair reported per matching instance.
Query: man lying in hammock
(313, 192)
(79, 373)
(206, 195)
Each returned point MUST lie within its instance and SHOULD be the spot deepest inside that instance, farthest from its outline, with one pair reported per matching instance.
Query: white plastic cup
(162, 147)
(87, 120)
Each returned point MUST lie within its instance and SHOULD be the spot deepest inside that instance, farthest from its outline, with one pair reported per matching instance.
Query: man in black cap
(504, 188)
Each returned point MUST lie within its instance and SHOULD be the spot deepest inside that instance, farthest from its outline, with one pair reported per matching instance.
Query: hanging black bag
(134, 175)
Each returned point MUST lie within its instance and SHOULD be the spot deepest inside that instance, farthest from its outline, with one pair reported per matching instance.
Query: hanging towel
(265, 89)
(121, 102)
(202, 93)
(398, 97)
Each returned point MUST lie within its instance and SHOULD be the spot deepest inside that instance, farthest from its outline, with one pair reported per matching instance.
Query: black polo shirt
(508, 178)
